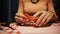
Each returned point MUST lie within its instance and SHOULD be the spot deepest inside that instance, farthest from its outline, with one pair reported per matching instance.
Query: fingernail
(27, 23)
(22, 24)
(14, 27)
(11, 25)
(6, 28)
(35, 24)
(39, 25)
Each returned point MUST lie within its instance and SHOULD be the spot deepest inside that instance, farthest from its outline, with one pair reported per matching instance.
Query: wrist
(54, 18)
(19, 14)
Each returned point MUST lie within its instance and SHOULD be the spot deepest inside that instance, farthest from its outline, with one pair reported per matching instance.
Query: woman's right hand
(19, 18)
(22, 19)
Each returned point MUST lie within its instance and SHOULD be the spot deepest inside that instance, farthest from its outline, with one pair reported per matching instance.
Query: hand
(19, 18)
(23, 20)
(12, 29)
(43, 17)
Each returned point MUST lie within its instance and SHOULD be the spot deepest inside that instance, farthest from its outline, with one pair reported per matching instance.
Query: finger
(40, 18)
(17, 17)
(37, 14)
(19, 14)
(11, 25)
(20, 20)
(14, 26)
(10, 30)
(30, 23)
(7, 29)
(48, 19)
(44, 19)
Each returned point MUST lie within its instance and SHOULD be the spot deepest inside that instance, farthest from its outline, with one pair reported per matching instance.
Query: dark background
(9, 8)
(57, 7)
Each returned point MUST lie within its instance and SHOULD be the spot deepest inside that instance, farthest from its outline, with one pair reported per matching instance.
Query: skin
(14, 29)
(37, 9)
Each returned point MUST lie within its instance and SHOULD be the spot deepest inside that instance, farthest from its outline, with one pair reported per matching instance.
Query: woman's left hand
(43, 17)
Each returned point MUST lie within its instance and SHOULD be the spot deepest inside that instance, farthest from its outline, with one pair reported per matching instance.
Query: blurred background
(9, 9)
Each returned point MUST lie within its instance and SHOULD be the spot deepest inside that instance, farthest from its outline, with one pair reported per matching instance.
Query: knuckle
(15, 17)
(48, 14)
(45, 12)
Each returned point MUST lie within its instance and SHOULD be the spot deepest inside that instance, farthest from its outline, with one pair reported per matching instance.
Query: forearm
(20, 9)
(54, 18)
(51, 9)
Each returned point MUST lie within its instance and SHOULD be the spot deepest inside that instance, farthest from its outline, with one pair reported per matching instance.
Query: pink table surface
(52, 29)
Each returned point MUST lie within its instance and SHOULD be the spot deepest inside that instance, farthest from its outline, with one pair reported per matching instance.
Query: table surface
(54, 28)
